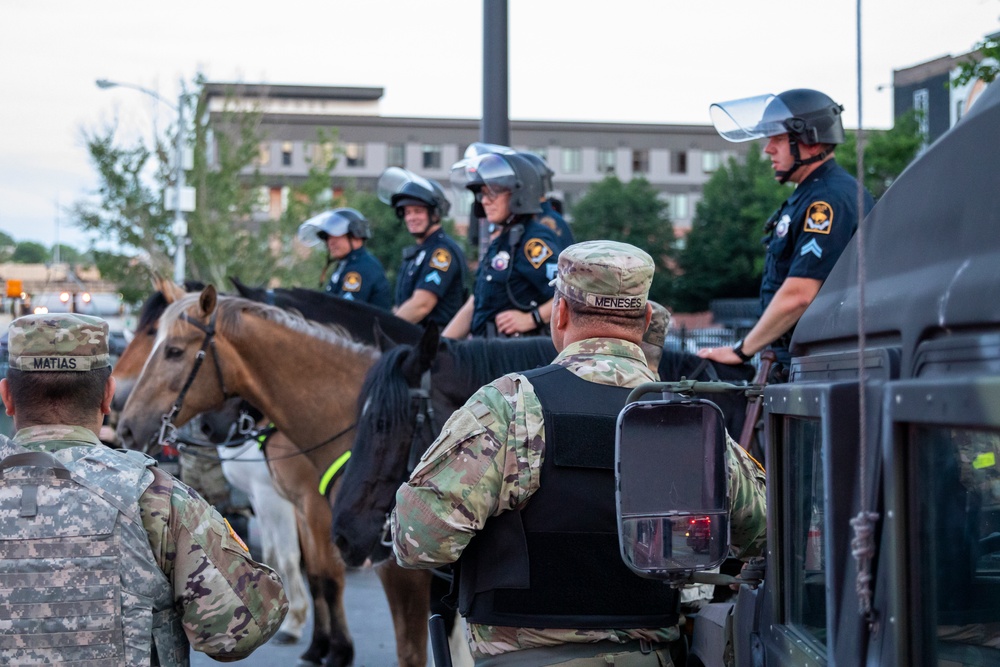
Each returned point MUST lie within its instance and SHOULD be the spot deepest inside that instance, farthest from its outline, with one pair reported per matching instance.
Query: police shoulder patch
(441, 259)
(819, 218)
(537, 251)
(352, 282)
(549, 222)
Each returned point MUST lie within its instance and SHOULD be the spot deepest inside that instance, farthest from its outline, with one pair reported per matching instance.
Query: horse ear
(208, 299)
(382, 341)
(171, 291)
(429, 343)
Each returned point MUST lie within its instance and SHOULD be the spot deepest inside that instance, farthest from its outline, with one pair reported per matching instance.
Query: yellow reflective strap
(332, 471)
(232, 533)
(987, 460)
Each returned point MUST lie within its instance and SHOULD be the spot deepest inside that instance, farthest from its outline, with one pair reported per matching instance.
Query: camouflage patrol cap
(58, 342)
(605, 274)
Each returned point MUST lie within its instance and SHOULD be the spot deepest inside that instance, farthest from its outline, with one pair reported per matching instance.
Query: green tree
(7, 245)
(30, 252)
(887, 153)
(633, 213)
(983, 63)
(70, 255)
(723, 256)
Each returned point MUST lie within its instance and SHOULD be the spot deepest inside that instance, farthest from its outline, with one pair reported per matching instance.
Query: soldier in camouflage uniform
(113, 561)
(519, 489)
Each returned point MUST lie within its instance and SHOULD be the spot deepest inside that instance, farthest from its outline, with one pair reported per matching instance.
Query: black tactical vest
(556, 562)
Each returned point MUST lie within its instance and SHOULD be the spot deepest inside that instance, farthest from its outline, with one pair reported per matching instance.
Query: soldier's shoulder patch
(537, 251)
(819, 218)
(441, 259)
(352, 282)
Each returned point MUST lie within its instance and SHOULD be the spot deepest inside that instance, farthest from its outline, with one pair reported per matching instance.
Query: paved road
(367, 617)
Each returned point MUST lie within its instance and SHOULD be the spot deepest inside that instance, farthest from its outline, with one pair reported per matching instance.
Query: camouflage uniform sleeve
(486, 461)
(229, 603)
(747, 502)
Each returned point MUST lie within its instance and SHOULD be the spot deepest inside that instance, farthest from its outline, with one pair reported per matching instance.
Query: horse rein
(168, 431)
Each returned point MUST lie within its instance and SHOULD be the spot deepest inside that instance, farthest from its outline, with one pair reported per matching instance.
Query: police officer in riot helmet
(512, 294)
(810, 230)
(551, 213)
(359, 276)
(430, 286)
(131, 566)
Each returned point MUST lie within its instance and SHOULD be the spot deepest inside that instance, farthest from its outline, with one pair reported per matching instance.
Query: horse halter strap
(423, 420)
(168, 432)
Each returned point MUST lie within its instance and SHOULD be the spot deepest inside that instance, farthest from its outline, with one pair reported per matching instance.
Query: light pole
(180, 224)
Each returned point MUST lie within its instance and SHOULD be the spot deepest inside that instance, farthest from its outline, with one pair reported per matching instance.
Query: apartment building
(676, 159)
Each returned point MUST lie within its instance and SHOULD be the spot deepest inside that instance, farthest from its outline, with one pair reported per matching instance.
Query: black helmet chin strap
(793, 146)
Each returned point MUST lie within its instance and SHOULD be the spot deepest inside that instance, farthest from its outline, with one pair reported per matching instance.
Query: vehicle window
(805, 576)
(957, 497)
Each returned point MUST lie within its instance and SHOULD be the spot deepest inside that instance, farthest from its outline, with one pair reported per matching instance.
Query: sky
(655, 61)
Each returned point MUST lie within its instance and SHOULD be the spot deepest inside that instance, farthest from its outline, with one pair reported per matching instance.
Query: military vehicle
(882, 451)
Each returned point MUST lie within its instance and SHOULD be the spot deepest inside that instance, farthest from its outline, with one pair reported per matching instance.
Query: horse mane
(484, 360)
(155, 305)
(385, 393)
(231, 309)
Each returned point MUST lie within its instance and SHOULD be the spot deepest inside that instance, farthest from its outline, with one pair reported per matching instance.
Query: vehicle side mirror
(671, 487)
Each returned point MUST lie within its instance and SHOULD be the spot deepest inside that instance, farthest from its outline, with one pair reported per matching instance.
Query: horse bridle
(168, 431)
(423, 421)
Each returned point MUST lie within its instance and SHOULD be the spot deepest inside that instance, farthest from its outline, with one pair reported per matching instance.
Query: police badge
(782, 227)
(501, 261)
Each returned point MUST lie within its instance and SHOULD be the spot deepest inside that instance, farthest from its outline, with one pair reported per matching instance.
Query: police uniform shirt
(552, 219)
(360, 277)
(527, 267)
(438, 266)
(811, 229)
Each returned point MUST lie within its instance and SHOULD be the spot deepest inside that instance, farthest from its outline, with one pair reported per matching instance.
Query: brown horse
(306, 378)
(263, 354)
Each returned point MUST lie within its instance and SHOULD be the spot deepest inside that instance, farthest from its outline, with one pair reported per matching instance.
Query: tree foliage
(633, 213)
(30, 252)
(983, 63)
(887, 153)
(723, 256)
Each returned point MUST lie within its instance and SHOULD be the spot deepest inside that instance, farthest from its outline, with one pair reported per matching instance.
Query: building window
(679, 206)
(710, 161)
(431, 156)
(921, 104)
(354, 154)
(263, 154)
(286, 154)
(396, 155)
(640, 161)
(606, 160)
(678, 162)
(323, 154)
(540, 151)
(572, 161)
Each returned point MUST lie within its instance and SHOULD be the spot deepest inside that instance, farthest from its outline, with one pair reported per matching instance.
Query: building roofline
(293, 91)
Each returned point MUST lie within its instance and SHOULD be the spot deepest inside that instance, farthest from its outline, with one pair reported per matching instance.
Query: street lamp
(180, 224)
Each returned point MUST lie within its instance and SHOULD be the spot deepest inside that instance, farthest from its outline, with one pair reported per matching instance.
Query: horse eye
(174, 353)
(151, 331)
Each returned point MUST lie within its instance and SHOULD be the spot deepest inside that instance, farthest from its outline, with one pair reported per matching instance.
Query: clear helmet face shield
(750, 118)
(329, 222)
(394, 179)
(491, 172)
(482, 148)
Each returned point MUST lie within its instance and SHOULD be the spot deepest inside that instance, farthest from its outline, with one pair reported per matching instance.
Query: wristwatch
(537, 317)
(738, 350)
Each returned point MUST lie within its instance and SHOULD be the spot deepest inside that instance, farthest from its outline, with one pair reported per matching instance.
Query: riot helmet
(400, 188)
(478, 148)
(542, 167)
(808, 117)
(337, 222)
(495, 173)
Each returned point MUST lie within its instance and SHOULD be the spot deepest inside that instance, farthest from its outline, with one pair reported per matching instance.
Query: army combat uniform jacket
(223, 602)
(488, 460)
